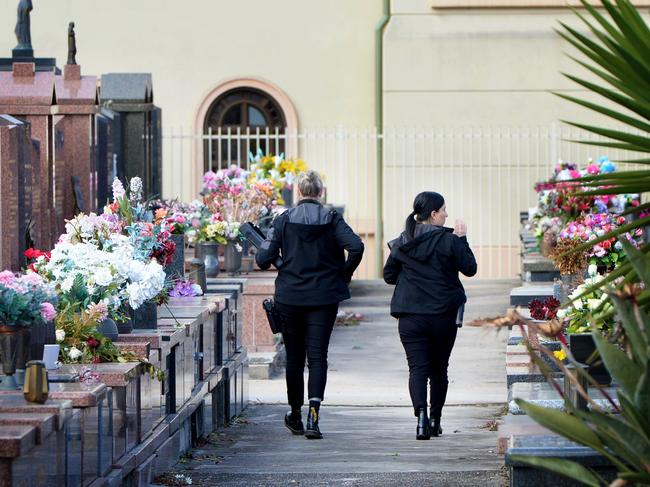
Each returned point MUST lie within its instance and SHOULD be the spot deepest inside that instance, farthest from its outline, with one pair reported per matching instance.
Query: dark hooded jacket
(311, 241)
(425, 271)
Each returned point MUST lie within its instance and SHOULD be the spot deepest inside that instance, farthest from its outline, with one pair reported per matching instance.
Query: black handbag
(273, 315)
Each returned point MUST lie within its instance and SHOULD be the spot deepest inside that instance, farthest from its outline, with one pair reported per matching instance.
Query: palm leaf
(567, 468)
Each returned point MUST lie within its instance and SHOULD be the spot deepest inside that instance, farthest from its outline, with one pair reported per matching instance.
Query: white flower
(118, 189)
(561, 313)
(74, 353)
(103, 276)
(136, 188)
(60, 335)
(592, 270)
(593, 304)
(197, 289)
(67, 283)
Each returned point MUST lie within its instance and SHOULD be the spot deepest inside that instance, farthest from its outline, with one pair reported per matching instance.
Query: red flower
(606, 244)
(92, 342)
(96, 359)
(33, 254)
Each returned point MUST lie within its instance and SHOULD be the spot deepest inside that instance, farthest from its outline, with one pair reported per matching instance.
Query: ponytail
(423, 205)
(409, 225)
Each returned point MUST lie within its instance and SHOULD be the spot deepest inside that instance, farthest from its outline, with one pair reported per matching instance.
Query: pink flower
(574, 174)
(593, 169)
(7, 277)
(31, 279)
(47, 311)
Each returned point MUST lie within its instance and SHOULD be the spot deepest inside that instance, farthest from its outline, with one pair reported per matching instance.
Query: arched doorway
(241, 116)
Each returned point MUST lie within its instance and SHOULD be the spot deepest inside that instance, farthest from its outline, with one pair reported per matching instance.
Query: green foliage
(622, 437)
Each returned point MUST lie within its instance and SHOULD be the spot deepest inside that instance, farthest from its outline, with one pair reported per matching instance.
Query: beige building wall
(319, 53)
(467, 91)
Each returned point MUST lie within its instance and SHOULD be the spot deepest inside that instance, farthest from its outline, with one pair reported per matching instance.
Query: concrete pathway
(367, 419)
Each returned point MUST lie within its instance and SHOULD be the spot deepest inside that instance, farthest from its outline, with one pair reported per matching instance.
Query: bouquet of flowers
(173, 213)
(221, 232)
(280, 172)
(577, 317)
(26, 299)
(81, 343)
(589, 227)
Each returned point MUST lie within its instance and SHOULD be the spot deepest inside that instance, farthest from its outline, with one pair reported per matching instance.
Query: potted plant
(25, 300)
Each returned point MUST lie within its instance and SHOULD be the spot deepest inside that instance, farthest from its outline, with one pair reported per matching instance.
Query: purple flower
(184, 288)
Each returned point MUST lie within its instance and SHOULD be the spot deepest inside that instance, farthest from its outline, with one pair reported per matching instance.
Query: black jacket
(425, 271)
(311, 241)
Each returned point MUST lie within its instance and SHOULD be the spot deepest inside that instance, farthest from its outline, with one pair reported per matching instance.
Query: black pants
(428, 340)
(306, 331)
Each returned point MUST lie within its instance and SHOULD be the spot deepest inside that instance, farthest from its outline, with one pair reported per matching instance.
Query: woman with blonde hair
(312, 280)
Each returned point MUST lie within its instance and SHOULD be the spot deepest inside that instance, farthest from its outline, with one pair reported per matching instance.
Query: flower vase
(23, 342)
(146, 316)
(233, 258)
(582, 347)
(247, 259)
(176, 269)
(125, 325)
(109, 329)
(8, 339)
(210, 255)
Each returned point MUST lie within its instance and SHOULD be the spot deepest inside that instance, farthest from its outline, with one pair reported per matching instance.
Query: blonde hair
(310, 184)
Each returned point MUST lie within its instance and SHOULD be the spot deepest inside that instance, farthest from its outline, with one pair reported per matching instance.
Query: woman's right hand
(460, 228)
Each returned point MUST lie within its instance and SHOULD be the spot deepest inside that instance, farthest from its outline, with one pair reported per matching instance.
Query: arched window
(240, 121)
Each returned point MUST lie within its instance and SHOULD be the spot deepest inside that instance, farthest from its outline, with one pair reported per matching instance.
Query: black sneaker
(294, 424)
(312, 432)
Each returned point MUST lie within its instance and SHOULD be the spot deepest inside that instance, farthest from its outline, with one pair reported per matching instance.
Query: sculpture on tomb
(23, 31)
(72, 44)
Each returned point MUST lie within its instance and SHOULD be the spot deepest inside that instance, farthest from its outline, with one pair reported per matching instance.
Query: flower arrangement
(544, 310)
(578, 316)
(607, 253)
(81, 343)
(276, 170)
(347, 318)
(25, 299)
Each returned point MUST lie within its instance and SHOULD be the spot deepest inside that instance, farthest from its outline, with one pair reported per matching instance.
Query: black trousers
(306, 332)
(428, 341)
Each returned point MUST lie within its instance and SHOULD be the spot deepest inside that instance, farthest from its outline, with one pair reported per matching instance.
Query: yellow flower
(560, 355)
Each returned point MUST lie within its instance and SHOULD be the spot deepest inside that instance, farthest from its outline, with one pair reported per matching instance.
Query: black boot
(423, 430)
(312, 432)
(293, 421)
(436, 430)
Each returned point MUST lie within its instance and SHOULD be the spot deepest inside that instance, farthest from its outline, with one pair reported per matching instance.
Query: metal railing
(486, 174)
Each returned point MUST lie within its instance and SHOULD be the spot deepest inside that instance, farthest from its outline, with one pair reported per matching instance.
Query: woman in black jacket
(424, 263)
(312, 279)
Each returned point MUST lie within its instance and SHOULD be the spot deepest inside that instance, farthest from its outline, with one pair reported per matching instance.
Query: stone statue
(72, 44)
(23, 32)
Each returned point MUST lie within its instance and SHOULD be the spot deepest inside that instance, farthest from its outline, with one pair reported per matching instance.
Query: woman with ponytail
(423, 264)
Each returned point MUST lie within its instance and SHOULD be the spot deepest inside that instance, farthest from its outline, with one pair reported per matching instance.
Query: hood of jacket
(422, 246)
(309, 220)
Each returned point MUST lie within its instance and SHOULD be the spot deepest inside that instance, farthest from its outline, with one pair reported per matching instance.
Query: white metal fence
(486, 174)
